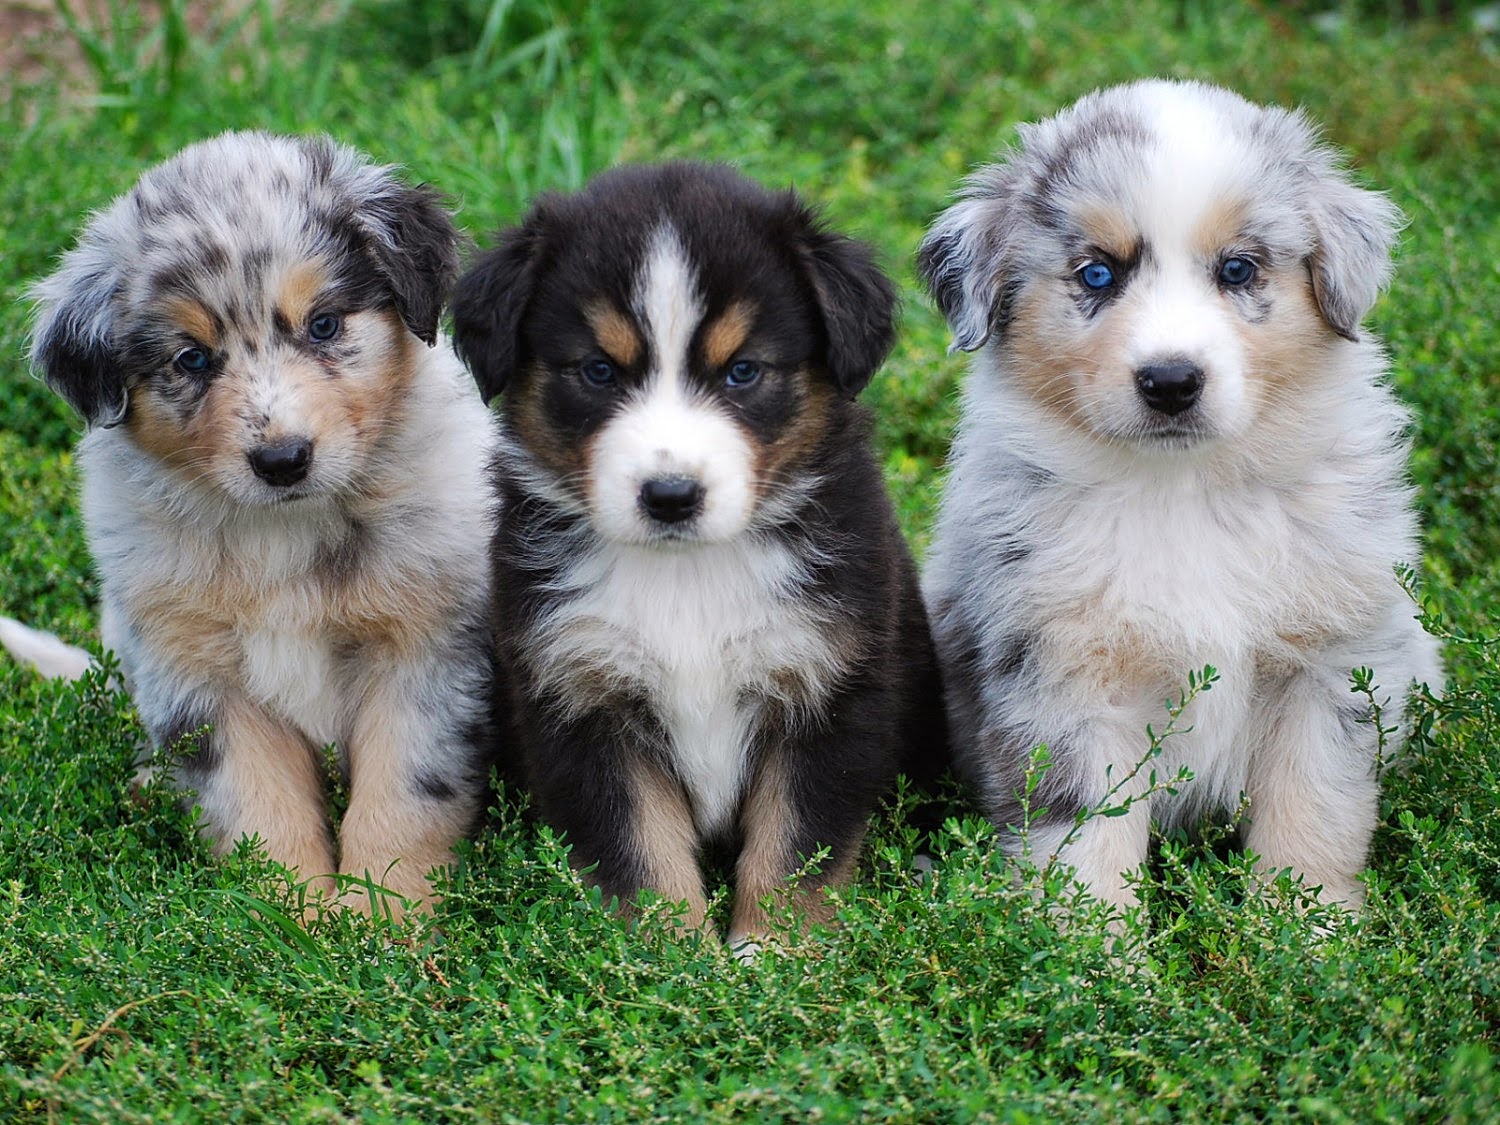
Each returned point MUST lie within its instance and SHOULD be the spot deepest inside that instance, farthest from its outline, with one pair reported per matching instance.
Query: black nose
(671, 499)
(282, 462)
(1170, 387)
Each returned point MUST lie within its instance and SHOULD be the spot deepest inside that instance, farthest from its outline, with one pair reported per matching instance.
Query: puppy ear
(415, 246)
(487, 307)
(856, 299)
(963, 257)
(1353, 231)
(70, 344)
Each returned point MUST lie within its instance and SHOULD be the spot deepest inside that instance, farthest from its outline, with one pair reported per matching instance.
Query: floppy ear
(1353, 231)
(71, 345)
(963, 259)
(856, 299)
(488, 303)
(415, 246)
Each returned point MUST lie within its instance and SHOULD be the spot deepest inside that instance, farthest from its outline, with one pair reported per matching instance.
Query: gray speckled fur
(1080, 570)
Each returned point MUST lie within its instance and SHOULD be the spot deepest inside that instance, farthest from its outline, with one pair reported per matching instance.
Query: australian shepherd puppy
(284, 491)
(1178, 449)
(709, 624)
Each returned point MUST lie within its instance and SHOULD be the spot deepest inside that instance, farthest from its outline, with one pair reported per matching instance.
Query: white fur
(44, 652)
(1114, 566)
(667, 431)
(147, 526)
(706, 631)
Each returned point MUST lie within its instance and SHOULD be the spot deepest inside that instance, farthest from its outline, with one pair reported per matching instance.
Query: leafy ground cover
(141, 982)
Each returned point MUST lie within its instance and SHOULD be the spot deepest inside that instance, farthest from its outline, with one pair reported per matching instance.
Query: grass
(140, 982)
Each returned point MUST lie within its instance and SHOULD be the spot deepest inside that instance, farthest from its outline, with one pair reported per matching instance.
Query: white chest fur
(707, 633)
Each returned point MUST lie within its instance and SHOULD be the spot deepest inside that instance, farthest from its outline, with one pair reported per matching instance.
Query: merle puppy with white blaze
(709, 624)
(1178, 448)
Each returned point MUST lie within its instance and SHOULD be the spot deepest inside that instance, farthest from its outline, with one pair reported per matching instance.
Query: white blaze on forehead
(1193, 162)
(669, 305)
(667, 429)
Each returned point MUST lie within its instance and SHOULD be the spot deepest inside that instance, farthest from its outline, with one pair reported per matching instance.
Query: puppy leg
(666, 840)
(416, 783)
(1314, 795)
(1086, 766)
(788, 817)
(256, 776)
(596, 779)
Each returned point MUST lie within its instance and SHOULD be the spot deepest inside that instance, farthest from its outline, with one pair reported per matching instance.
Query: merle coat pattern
(284, 492)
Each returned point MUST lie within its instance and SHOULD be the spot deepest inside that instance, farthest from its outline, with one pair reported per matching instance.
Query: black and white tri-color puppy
(285, 492)
(1178, 448)
(708, 620)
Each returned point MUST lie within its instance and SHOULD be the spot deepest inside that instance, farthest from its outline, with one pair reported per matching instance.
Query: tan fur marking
(379, 404)
(1110, 231)
(767, 861)
(195, 320)
(1285, 351)
(388, 834)
(1044, 354)
(666, 840)
(157, 429)
(277, 781)
(566, 458)
(726, 335)
(1315, 817)
(614, 331)
(189, 634)
(800, 439)
(1118, 659)
(1221, 227)
(300, 291)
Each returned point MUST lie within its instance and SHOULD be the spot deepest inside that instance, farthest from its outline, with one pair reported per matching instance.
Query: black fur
(823, 313)
(833, 278)
(415, 247)
(857, 302)
(84, 374)
(488, 305)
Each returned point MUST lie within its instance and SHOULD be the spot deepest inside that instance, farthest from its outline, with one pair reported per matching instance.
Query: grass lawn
(141, 982)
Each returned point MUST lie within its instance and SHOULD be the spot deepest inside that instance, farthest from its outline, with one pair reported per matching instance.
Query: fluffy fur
(708, 621)
(283, 487)
(1177, 448)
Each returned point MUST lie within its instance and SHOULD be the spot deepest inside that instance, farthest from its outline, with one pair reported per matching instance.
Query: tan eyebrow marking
(1111, 232)
(194, 320)
(297, 298)
(614, 331)
(1222, 227)
(727, 334)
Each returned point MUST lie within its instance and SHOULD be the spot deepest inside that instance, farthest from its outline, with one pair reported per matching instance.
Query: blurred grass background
(139, 982)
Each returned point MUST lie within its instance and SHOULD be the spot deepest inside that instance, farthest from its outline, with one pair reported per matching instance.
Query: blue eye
(1236, 271)
(1096, 275)
(324, 327)
(742, 373)
(598, 372)
(194, 361)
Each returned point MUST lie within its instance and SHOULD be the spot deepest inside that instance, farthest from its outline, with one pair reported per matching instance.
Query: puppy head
(1161, 261)
(249, 311)
(675, 344)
